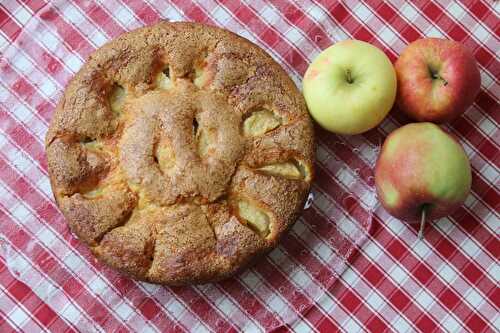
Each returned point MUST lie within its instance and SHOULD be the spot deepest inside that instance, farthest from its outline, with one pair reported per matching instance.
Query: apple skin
(420, 165)
(350, 87)
(438, 79)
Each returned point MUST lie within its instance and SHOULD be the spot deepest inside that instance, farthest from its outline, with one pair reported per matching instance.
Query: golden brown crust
(180, 152)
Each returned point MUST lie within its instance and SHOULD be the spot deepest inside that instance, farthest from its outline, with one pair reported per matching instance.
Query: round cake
(179, 153)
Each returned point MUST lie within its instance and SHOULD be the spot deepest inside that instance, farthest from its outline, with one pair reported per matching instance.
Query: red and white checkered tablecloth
(345, 266)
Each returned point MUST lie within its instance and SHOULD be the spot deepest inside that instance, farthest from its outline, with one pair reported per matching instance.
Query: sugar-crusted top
(179, 152)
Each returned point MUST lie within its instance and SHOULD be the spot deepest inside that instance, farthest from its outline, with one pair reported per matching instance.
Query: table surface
(345, 265)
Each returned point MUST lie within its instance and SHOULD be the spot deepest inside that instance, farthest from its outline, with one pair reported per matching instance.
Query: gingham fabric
(345, 266)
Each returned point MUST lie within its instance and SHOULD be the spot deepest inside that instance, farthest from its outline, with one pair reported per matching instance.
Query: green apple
(350, 87)
(422, 173)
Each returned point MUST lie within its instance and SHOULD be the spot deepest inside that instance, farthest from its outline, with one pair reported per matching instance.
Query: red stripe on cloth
(149, 308)
(292, 249)
(252, 305)
(303, 255)
(294, 52)
(21, 137)
(386, 287)
(101, 18)
(164, 325)
(467, 268)
(457, 30)
(474, 227)
(488, 104)
(202, 308)
(399, 299)
(23, 294)
(420, 271)
(276, 279)
(34, 5)
(425, 324)
(476, 324)
(354, 209)
(5, 326)
(271, 37)
(405, 259)
(8, 25)
(376, 324)
(337, 11)
(282, 329)
(128, 289)
(23, 89)
(404, 305)
(147, 14)
(351, 301)
(485, 14)
(322, 323)
(71, 36)
(483, 143)
(96, 311)
(45, 62)
(325, 229)
(194, 12)
(50, 319)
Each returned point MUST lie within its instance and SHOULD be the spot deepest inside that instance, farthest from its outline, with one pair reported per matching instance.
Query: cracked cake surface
(179, 153)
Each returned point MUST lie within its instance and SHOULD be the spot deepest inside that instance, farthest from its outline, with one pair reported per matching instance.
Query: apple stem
(444, 81)
(435, 76)
(348, 76)
(422, 223)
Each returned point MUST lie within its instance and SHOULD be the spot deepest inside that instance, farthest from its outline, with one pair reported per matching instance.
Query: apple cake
(179, 153)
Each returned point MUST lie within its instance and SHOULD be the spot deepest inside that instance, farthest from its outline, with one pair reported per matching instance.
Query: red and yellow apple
(422, 172)
(350, 87)
(438, 79)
